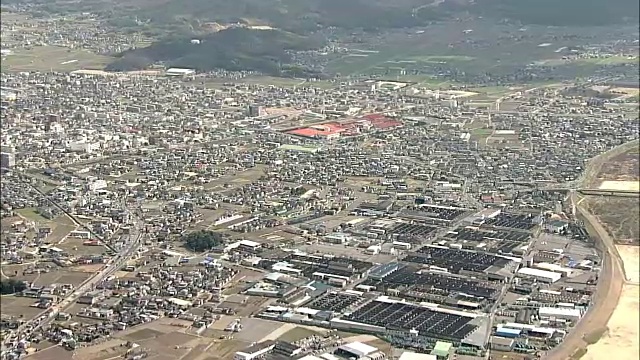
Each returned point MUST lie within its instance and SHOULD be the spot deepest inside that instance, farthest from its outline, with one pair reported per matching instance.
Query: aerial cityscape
(320, 180)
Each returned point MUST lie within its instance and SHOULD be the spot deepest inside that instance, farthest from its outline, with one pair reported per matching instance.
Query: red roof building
(381, 122)
(322, 131)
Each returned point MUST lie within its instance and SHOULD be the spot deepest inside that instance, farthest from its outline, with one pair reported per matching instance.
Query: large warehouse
(540, 275)
(356, 350)
(560, 313)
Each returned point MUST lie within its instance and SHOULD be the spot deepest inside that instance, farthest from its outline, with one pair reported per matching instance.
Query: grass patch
(612, 60)
(53, 58)
(441, 59)
(297, 333)
(32, 214)
(481, 132)
(346, 334)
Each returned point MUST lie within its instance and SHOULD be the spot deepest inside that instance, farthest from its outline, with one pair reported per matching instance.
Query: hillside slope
(232, 49)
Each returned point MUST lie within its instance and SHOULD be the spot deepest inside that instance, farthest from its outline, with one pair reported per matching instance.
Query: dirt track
(605, 300)
(612, 277)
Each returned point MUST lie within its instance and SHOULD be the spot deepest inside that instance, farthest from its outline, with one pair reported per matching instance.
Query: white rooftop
(409, 355)
(359, 349)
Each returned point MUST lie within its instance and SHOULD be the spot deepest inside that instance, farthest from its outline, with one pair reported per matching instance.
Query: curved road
(612, 275)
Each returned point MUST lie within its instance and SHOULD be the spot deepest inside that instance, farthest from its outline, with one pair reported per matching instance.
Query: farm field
(447, 45)
(53, 58)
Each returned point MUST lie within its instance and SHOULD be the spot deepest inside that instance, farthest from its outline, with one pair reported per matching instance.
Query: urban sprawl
(154, 216)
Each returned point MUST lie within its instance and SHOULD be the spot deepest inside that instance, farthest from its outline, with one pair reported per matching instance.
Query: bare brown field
(620, 216)
(622, 167)
(62, 276)
(16, 306)
(91, 268)
(75, 246)
(223, 350)
(163, 339)
(52, 353)
(6, 222)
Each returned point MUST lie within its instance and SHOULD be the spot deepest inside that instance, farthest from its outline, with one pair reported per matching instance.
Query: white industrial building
(410, 355)
(97, 184)
(179, 72)
(502, 344)
(564, 271)
(255, 351)
(357, 350)
(540, 275)
(373, 249)
(337, 238)
(83, 146)
(560, 313)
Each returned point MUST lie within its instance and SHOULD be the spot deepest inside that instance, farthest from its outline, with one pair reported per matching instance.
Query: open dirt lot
(164, 339)
(75, 246)
(257, 329)
(62, 276)
(52, 353)
(16, 306)
(631, 258)
(621, 167)
(620, 341)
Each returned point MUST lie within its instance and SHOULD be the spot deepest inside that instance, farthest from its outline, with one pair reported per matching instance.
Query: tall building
(254, 110)
(7, 160)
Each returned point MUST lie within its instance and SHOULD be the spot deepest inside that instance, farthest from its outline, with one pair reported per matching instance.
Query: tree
(11, 286)
(202, 240)
(298, 191)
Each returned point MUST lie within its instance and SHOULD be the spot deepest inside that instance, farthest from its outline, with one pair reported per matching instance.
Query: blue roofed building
(508, 332)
